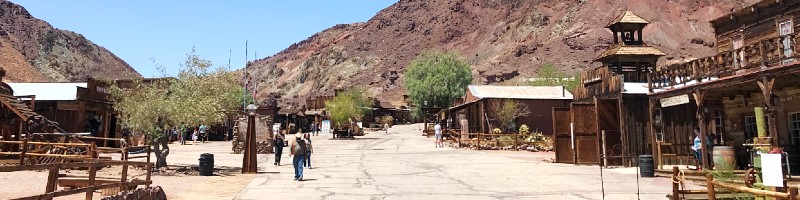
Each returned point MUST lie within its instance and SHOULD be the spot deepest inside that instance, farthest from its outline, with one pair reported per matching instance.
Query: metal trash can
(206, 164)
(646, 166)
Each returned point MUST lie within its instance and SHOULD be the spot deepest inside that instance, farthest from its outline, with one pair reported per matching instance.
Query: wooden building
(608, 120)
(757, 65)
(481, 102)
(77, 107)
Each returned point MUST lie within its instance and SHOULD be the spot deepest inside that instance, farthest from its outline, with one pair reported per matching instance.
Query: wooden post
(124, 153)
(149, 168)
(698, 97)
(92, 176)
(149, 149)
(52, 178)
(516, 137)
(675, 183)
(792, 193)
(124, 178)
(24, 151)
(480, 135)
(710, 187)
(766, 84)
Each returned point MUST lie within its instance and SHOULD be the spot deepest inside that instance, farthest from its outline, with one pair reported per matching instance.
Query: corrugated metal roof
(519, 92)
(48, 91)
(628, 17)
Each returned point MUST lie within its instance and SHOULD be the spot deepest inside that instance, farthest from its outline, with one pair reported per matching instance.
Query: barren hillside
(34, 51)
(502, 39)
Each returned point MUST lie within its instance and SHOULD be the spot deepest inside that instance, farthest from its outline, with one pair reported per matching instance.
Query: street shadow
(310, 179)
(353, 138)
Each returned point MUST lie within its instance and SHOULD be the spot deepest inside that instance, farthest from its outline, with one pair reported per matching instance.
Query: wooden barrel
(646, 166)
(724, 157)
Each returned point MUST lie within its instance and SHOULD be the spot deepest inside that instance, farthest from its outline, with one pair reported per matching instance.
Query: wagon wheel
(749, 177)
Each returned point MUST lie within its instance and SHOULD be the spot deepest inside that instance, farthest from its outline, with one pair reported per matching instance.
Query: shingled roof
(628, 17)
(630, 50)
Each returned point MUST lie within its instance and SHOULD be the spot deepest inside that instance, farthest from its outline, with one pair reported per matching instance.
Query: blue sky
(166, 31)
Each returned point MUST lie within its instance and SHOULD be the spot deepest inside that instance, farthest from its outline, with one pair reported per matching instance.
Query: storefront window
(794, 127)
(750, 128)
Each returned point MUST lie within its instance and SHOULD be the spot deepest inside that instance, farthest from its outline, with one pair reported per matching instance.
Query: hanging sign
(674, 101)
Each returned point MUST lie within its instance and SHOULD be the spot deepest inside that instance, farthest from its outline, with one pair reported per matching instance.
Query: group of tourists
(185, 133)
(300, 150)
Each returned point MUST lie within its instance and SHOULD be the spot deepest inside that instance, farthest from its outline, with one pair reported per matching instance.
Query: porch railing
(769, 52)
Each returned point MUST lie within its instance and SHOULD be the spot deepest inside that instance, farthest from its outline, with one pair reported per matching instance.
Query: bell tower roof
(626, 18)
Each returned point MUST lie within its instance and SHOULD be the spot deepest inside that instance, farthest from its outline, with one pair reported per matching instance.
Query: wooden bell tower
(629, 56)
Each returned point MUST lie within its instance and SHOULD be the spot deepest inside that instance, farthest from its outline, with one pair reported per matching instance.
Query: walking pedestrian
(278, 138)
(386, 127)
(298, 150)
(182, 130)
(437, 130)
(697, 148)
(194, 135)
(203, 129)
(309, 150)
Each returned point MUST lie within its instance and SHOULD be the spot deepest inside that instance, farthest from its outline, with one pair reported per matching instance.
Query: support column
(651, 127)
(767, 89)
(698, 97)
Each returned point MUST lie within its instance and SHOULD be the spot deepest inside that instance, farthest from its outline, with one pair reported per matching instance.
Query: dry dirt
(180, 182)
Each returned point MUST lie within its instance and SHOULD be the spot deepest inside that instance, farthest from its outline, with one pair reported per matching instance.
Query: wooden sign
(68, 105)
(674, 101)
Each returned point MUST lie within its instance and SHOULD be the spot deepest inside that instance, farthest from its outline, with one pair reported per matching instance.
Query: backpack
(300, 147)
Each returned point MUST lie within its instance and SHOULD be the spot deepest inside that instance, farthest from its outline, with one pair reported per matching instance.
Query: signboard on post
(326, 126)
(674, 101)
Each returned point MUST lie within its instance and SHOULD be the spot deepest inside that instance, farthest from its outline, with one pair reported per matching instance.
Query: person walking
(697, 148)
(278, 138)
(386, 127)
(298, 149)
(437, 130)
(203, 128)
(309, 150)
(194, 135)
(182, 130)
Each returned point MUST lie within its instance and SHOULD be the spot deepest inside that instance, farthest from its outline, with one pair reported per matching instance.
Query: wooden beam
(767, 84)
(698, 98)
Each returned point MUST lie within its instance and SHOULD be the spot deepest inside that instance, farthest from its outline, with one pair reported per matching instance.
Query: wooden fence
(91, 151)
(711, 184)
(478, 138)
(92, 183)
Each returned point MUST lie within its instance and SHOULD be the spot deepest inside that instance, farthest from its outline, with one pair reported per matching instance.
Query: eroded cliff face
(502, 39)
(34, 51)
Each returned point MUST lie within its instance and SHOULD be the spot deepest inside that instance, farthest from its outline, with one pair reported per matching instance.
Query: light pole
(250, 162)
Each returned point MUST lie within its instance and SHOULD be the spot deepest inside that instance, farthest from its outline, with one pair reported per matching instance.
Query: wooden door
(584, 124)
(562, 134)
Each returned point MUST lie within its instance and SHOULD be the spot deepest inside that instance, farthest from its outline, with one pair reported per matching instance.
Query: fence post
(149, 166)
(124, 177)
(24, 150)
(92, 175)
(479, 141)
(149, 149)
(52, 178)
(516, 143)
(710, 187)
(792, 193)
(675, 183)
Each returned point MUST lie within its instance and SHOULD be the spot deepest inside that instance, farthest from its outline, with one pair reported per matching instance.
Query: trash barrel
(646, 166)
(724, 157)
(206, 164)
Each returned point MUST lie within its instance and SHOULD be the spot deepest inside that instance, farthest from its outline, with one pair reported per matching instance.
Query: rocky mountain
(31, 50)
(502, 39)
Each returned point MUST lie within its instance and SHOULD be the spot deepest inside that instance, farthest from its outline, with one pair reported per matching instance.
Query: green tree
(506, 113)
(436, 77)
(197, 95)
(349, 105)
(549, 75)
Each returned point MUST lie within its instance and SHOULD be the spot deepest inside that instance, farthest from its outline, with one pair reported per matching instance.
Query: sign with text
(674, 101)
(771, 169)
(326, 126)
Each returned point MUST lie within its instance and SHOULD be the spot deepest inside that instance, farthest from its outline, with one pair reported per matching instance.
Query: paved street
(405, 165)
